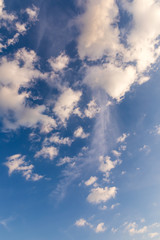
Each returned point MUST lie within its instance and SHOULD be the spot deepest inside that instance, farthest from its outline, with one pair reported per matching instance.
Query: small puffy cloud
(66, 104)
(158, 130)
(81, 222)
(32, 13)
(55, 138)
(64, 160)
(100, 228)
(79, 133)
(114, 205)
(90, 181)
(122, 138)
(47, 152)
(4, 15)
(13, 25)
(21, 28)
(59, 63)
(114, 230)
(17, 163)
(153, 235)
(100, 195)
(106, 165)
(133, 229)
(116, 153)
(145, 148)
(92, 109)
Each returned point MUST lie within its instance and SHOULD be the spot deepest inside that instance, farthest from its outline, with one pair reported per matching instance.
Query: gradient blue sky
(79, 119)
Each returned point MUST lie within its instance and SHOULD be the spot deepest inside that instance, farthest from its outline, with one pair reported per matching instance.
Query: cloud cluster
(79, 133)
(15, 27)
(17, 163)
(98, 229)
(91, 181)
(128, 52)
(47, 152)
(13, 108)
(66, 104)
(100, 195)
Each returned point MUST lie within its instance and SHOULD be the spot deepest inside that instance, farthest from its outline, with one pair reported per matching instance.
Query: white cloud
(116, 153)
(3, 13)
(32, 13)
(99, 195)
(64, 160)
(115, 80)
(122, 138)
(103, 208)
(66, 104)
(92, 109)
(21, 28)
(17, 163)
(100, 228)
(79, 133)
(128, 52)
(145, 148)
(21, 72)
(133, 229)
(158, 130)
(114, 230)
(144, 34)
(59, 63)
(55, 138)
(13, 25)
(90, 181)
(98, 35)
(114, 205)
(47, 152)
(153, 235)
(81, 222)
(106, 165)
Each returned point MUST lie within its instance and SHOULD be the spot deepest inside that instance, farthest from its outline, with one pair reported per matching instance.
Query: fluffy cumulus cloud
(98, 35)
(100, 195)
(122, 138)
(91, 181)
(55, 138)
(106, 165)
(14, 110)
(32, 13)
(47, 152)
(100, 228)
(128, 53)
(79, 133)
(66, 104)
(17, 163)
(81, 222)
(114, 205)
(92, 109)
(116, 81)
(133, 229)
(14, 26)
(59, 63)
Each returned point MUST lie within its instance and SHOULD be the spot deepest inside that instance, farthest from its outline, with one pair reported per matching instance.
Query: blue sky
(79, 119)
